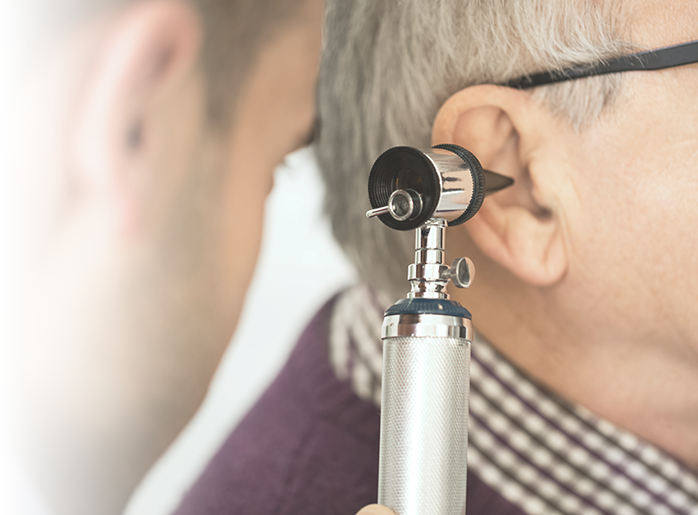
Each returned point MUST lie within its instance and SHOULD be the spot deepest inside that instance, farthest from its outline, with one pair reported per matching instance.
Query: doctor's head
(140, 141)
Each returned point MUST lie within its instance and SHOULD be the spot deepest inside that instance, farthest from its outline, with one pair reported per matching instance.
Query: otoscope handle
(427, 337)
(424, 421)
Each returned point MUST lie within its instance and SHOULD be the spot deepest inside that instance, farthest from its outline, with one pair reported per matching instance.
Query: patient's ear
(125, 117)
(521, 228)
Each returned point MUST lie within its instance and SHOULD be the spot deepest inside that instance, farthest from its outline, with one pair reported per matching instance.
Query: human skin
(143, 236)
(586, 266)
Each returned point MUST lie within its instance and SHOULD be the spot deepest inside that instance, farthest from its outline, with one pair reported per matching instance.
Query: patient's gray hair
(390, 64)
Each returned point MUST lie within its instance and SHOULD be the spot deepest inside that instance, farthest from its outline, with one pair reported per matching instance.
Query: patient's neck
(621, 371)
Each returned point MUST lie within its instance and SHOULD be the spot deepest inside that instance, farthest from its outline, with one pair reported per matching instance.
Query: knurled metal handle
(424, 425)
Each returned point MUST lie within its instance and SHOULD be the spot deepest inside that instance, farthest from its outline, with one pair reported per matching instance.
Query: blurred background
(300, 267)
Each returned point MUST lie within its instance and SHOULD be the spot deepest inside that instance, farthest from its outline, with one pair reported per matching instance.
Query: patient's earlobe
(514, 228)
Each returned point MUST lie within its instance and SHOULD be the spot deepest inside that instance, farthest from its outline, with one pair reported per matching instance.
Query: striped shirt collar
(538, 451)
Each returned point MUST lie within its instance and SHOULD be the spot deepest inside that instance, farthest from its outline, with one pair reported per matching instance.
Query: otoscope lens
(405, 205)
(401, 205)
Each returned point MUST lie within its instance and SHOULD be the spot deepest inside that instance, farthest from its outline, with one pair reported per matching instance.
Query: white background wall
(300, 267)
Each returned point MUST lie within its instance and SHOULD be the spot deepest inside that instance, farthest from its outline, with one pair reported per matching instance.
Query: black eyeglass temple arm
(658, 59)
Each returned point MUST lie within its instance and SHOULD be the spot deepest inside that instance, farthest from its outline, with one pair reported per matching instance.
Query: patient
(584, 394)
(144, 134)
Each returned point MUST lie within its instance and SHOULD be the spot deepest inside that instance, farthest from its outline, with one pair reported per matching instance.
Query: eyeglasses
(657, 59)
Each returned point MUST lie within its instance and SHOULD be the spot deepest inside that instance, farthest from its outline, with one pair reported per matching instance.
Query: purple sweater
(310, 446)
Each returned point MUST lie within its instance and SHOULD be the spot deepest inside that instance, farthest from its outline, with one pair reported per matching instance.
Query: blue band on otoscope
(428, 307)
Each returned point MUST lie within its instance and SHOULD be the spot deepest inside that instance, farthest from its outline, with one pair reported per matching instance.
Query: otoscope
(427, 337)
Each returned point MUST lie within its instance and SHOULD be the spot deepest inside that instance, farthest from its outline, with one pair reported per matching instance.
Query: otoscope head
(408, 186)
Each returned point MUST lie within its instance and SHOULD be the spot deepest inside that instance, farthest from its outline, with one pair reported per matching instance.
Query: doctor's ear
(124, 128)
(521, 228)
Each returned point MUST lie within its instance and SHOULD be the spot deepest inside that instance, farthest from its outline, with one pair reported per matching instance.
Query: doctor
(143, 139)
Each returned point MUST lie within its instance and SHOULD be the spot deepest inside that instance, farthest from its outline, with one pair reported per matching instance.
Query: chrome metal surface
(428, 255)
(427, 325)
(401, 205)
(456, 181)
(424, 412)
(424, 425)
(431, 235)
(404, 204)
(426, 271)
(427, 274)
(372, 213)
(426, 357)
(446, 183)
(461, 273)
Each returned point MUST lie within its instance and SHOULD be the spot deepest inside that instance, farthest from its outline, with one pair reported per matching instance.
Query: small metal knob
(461, 273)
